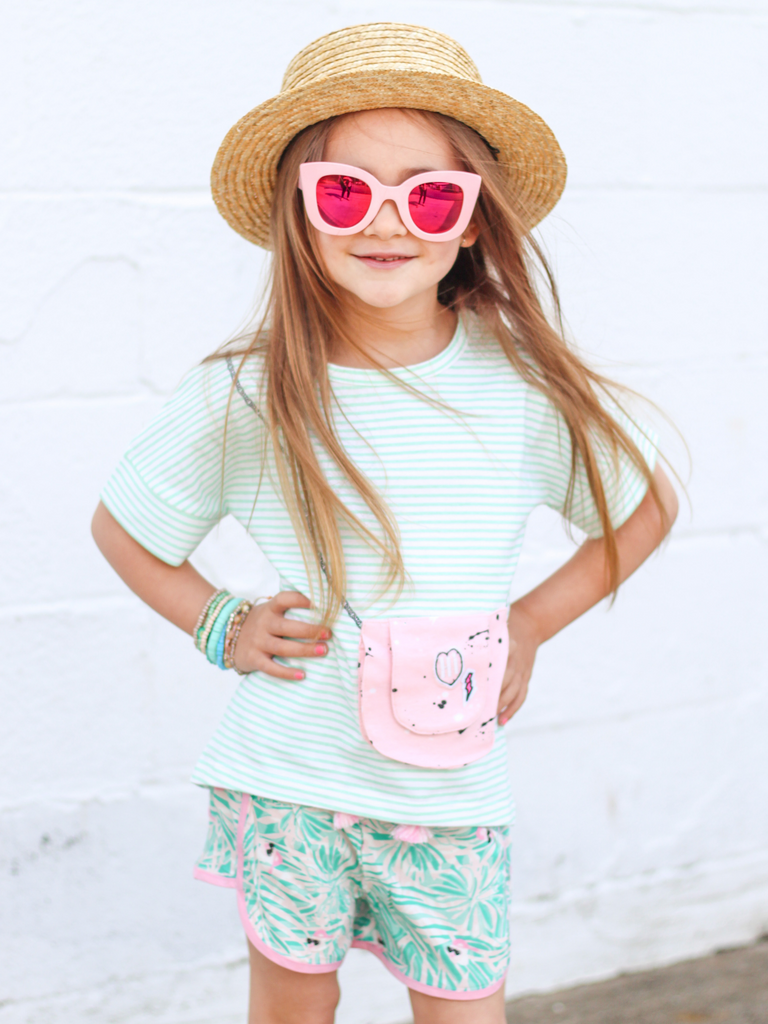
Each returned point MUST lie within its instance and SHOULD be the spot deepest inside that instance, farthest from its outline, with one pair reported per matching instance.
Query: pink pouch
(429, 687)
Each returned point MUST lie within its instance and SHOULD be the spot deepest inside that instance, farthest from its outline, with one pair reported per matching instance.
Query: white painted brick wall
(639, 762)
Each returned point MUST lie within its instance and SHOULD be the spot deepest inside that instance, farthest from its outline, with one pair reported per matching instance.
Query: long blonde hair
(494, 279)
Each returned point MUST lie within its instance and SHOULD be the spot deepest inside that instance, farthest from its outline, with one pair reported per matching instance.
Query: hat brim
(245, 169)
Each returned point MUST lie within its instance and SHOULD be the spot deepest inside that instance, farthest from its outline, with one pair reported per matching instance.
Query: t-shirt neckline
(438, 363)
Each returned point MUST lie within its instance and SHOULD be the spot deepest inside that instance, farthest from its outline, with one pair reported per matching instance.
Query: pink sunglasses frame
(310, 173)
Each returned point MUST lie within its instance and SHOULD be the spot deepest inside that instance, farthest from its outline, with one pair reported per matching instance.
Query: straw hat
(365, 67)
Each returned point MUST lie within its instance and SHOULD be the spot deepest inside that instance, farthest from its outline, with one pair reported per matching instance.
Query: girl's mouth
(383, 260)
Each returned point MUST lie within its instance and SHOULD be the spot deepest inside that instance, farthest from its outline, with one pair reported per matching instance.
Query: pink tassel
(412, 833)
(342, 820)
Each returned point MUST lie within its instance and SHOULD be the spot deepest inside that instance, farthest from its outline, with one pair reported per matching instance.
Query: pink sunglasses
(341, 200)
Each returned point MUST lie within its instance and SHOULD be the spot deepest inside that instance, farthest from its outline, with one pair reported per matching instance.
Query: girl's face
(384, 265)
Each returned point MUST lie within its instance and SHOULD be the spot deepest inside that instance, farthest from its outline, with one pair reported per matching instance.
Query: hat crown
(379, 46)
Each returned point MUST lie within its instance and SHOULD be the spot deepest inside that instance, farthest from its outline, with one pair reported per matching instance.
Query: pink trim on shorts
(418, 986)
(226, 881)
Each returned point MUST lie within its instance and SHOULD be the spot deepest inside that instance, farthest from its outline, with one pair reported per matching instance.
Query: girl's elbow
(97, 525)
(669, 504)
(106, 531)
(671, 508)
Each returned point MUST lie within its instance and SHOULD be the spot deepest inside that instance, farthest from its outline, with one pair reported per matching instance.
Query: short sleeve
(548, 446)
(166, 491)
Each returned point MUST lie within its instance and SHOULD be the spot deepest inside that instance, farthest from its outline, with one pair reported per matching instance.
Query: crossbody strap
(252, 405)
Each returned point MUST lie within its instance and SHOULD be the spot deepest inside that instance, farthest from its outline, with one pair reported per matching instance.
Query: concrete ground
(728, 988)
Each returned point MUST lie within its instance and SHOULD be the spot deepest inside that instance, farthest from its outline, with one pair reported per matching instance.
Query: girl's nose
(386, 223)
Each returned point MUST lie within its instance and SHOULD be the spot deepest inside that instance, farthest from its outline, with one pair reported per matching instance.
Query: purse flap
(446, 670)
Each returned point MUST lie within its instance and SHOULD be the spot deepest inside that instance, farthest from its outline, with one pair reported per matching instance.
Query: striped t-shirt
(460, 483)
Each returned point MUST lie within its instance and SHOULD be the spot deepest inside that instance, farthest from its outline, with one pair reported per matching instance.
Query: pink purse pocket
(429, 687)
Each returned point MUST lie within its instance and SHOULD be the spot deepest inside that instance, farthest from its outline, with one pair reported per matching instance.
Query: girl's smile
(383, 260)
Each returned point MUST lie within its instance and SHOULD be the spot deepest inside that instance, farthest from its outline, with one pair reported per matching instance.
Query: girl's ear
(470, 235)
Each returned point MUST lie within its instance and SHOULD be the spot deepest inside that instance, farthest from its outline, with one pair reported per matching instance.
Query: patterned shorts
(436, 913)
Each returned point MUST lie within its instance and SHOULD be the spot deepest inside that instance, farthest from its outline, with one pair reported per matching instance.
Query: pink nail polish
(298, 675)
(320, 649)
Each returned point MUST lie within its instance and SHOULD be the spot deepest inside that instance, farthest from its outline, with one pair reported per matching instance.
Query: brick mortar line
(74, 402)
(72, 606)
(641, 714)
(171, 197)
(226, 962)
(145, 792)
(648, 879)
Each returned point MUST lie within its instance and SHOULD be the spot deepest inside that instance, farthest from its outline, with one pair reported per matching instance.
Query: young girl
(383, 436)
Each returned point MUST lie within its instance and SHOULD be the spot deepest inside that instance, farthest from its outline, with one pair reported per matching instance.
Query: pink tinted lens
(435, 205)
(343, 201)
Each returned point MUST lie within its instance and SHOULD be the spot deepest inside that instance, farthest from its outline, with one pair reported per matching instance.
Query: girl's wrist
(204, 613)
(214, 648)
(233, 635)
(522, 620)
(218, 627)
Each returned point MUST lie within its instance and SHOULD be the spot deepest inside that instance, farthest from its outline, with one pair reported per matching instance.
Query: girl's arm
(575, 588)
(178, 593)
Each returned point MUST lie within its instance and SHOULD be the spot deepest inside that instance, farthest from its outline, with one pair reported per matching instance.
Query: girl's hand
(576, 587)
(264, 632)
(523, 644)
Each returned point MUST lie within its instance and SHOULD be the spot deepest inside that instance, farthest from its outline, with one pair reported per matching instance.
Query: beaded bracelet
(210, 618)
(222, 641)
(203, 613)
(218, 626)
(222, 645)
(205, 622)
(215, 638)
(236, 624)
(210, 621)
(219, 652)
(233, 634)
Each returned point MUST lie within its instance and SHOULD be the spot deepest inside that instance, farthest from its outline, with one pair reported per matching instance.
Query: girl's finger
(268, 667)
(508, 694)
(279, 626)
(290, 599)
(277, 647)
(514, 706)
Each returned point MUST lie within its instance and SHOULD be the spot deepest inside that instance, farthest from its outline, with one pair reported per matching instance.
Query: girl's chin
(379, 296)
(383, 302)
